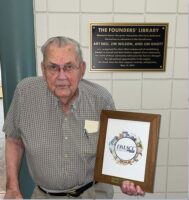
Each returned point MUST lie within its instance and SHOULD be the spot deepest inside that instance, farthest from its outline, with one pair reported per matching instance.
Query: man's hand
(129, 188)
(13, 194)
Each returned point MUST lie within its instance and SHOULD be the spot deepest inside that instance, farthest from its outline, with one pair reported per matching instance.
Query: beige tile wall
(159, 92)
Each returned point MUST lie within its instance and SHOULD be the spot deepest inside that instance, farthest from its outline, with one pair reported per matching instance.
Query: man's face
(63, 83)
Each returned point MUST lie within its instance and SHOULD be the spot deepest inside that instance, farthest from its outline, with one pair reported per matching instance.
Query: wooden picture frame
(127, 148)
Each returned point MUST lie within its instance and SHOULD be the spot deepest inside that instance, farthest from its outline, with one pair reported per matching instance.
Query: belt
(71, 193)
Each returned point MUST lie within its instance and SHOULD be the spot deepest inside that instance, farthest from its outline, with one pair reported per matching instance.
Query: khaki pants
(98, 191)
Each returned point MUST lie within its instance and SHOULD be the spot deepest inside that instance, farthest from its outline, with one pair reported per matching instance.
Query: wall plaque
(125, 46)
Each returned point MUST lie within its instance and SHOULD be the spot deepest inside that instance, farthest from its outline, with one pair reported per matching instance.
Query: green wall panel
(17, 57)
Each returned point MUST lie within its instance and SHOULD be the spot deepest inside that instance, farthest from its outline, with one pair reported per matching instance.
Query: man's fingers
(129, 188)
(139, 190)
(132, 189)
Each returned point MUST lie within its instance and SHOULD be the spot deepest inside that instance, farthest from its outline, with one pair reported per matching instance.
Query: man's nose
(62, 74)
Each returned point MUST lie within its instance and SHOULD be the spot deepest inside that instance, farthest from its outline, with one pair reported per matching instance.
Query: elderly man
(47, 119)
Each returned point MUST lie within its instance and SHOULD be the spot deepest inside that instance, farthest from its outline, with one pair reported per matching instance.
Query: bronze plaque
(120, 47)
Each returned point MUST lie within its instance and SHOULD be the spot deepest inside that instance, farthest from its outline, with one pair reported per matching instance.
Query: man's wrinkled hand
(13, 194)
(128, 187)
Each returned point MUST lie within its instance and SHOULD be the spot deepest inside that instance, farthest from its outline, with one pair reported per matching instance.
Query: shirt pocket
(89, 143)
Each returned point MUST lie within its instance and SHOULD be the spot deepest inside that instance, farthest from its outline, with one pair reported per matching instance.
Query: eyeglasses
(55, 68)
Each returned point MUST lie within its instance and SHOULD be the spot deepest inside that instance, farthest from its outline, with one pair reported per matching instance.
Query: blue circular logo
(126, 148)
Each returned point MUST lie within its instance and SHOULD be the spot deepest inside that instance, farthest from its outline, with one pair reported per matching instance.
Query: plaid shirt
(59, 154)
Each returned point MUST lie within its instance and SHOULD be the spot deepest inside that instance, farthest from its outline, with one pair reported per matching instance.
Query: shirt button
(65, 119)
(66, 138)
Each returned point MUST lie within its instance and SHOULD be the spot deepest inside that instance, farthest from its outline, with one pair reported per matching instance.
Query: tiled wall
(153, 92)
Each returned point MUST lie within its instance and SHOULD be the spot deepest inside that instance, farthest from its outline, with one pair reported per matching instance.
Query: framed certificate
(127, 148)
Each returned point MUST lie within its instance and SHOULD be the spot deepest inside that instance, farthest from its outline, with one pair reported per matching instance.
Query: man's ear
(43, 68)
(83, 68)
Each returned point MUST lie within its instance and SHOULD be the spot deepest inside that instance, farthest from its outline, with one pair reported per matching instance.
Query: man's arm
(13, 154)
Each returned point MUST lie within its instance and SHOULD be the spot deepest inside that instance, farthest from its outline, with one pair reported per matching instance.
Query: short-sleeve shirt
(59, 154)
